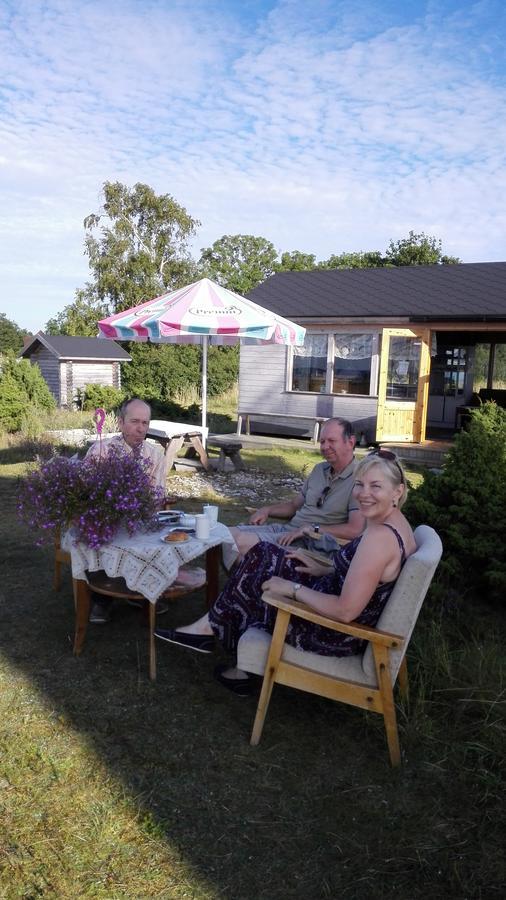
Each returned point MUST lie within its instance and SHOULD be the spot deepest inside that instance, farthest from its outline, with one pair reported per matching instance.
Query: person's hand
(288, 537)
(280, 587)
(309, 566)
(260, 516)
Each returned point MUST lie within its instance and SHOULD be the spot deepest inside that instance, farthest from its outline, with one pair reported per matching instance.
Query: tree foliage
(11, 335)
(239, 262)
(296, 261)
(417, 250)
(465, 504)
(78, 318)
(22, 389)
(368, 260)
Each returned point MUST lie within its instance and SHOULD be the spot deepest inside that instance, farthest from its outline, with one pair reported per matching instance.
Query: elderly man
(133, 419)
(324, 505)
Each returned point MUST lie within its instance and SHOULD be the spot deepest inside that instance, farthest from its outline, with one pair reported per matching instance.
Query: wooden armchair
(367, 680)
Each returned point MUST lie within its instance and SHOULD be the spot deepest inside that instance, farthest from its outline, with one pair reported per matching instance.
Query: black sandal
(243, 687)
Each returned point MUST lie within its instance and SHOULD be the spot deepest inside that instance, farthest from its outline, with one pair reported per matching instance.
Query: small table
(172, 436)
(149, 566)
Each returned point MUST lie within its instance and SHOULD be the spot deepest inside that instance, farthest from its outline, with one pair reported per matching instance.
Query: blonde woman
(354, 587)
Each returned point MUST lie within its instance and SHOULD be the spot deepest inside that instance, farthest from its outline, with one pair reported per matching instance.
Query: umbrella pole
(204, 384)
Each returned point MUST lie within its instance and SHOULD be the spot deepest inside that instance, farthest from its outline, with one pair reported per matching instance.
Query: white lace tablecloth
(147, 563)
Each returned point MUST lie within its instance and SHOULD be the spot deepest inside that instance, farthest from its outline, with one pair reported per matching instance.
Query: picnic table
(173, 435)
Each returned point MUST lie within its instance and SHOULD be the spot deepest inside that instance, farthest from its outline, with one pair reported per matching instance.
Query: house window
(351, 372)
(310, 364)
(336, 364)
(403, 367)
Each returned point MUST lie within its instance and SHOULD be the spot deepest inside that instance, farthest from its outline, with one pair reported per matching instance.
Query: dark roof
(65, 347)
(469, 291)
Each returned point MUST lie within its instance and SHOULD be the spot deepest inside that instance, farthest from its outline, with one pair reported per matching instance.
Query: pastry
(176, 537)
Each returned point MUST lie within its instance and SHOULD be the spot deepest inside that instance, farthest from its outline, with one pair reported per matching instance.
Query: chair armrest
(384, 638)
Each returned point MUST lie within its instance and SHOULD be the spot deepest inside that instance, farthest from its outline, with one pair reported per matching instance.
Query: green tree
(239, 262)
(417, 250)
(22, 390)
(79, 318)
(137, 248)
(368, 260)
(11, 335)
(30, 381)
(296, 261)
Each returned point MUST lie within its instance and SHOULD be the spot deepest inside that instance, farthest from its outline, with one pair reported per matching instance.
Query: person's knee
(245, 540)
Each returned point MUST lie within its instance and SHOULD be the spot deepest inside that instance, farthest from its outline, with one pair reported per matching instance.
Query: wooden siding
(50, 369)
(262, 388)
(64, 378)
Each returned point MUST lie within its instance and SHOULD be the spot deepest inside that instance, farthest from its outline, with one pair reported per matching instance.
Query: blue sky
(323, 126)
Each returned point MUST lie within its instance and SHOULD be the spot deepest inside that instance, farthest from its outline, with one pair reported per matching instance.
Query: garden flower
(96, 496)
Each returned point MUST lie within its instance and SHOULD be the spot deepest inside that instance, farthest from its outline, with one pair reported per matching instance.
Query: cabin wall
(262, 389)
(50, 369)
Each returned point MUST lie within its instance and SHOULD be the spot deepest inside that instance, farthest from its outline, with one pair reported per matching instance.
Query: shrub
(13, 403)
(160, 371)
(465, 503)
(102, 396)
(30, 380)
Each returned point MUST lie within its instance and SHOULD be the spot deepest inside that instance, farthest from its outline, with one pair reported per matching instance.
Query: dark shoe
(100, 612)
(161, 606)
(202, 643)
(243, 687)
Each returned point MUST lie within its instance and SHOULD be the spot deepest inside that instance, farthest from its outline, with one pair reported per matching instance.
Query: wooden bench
(227, 450)
(316, 420)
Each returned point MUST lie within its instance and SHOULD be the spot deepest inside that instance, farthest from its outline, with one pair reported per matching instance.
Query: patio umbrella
(201, 313)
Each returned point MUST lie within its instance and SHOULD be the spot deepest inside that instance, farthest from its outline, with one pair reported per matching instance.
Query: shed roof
(77, 348)
(467, 291)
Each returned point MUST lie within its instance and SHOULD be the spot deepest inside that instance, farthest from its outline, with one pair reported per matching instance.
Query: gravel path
(251, 488)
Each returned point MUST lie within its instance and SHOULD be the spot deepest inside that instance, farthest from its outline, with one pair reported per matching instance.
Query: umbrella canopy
(201, 313)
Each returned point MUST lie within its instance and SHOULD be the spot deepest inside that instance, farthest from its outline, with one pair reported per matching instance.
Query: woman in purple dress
(353, 585)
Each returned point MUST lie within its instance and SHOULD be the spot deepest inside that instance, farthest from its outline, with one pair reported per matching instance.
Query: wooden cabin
(70, 363)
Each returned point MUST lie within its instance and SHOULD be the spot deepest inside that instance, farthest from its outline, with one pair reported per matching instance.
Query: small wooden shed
(70, 363)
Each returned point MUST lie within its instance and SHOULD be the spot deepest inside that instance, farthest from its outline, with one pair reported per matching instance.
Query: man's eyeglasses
(387, 454)
(324, 494)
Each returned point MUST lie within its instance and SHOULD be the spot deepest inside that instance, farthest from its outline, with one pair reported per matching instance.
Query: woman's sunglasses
(387, 454)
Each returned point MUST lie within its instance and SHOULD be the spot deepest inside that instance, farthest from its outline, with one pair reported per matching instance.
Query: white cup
(202, 527)
(211, 512)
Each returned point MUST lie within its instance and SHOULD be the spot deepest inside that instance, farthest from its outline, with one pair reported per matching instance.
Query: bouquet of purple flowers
(96, 496)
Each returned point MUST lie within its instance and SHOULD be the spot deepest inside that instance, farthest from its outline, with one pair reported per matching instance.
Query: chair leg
(388, 705)
(276, 649)
(403, 680)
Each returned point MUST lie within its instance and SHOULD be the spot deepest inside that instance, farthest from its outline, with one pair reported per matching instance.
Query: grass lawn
(114, 787)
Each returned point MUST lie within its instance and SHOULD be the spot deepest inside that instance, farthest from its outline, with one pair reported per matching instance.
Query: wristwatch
(316, 529)
(295, 588)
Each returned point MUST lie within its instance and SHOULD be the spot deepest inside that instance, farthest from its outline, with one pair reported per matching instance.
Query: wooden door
(403, 385)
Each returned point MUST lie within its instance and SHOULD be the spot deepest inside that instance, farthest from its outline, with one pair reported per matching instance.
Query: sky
(325, 126)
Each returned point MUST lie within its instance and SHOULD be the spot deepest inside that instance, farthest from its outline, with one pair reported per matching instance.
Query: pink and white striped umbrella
(202, 312)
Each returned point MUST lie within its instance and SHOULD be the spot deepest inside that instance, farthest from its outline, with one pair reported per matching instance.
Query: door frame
(418, 406)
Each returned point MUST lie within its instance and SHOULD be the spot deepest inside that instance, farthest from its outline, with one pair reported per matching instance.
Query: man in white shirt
(133, 419)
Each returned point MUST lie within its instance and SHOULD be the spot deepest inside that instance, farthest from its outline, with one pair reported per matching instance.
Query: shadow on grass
(314, 811)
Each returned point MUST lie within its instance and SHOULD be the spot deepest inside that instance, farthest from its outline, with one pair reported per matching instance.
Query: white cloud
(324, 127)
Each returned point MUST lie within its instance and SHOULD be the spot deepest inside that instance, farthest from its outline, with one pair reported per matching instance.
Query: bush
(159, 371)
(13, 403)
(466, 505)
(102, 396)
(23, 392)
